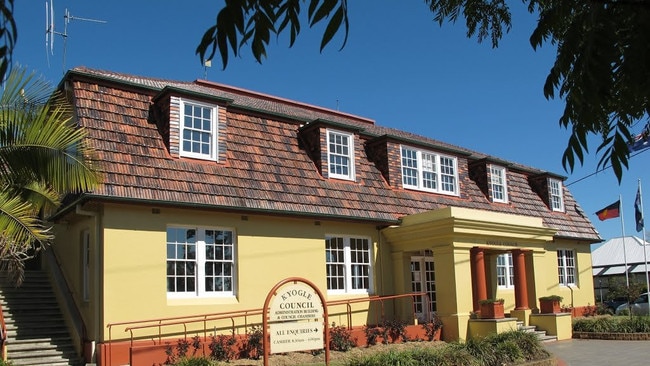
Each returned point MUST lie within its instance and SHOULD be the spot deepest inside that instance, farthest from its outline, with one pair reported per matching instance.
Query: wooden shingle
(272, 161)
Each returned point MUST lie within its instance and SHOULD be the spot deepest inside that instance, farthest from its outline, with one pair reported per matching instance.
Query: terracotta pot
(549, 306)
(492, 310)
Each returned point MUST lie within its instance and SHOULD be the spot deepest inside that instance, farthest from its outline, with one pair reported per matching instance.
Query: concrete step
(30, 333)
(541, 334)
(36, 330)
(547, 338)
(45, 360)
(40, 343)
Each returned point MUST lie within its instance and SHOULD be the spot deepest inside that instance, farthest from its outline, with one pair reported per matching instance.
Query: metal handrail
(3, 335)
(68, 298)
(160, 323)
(381, 299)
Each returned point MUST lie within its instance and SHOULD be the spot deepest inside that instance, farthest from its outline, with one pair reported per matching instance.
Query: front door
(423, 279)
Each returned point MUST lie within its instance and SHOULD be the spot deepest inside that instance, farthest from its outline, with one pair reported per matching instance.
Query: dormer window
(428, 171)
(198, 130)
(340, 155)
(555, 192)
(498, 185)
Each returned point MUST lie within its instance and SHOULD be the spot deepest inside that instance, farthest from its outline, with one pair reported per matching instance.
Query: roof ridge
(255, 94)
(121, 75)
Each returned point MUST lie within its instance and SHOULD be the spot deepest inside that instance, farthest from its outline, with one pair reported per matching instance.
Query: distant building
(608, 261)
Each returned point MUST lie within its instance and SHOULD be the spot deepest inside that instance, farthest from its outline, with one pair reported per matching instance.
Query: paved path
(590, 352)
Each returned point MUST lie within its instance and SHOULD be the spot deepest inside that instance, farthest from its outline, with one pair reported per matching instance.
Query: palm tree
(43, 157)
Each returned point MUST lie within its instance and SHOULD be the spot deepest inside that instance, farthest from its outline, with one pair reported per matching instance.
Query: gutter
(242, 210)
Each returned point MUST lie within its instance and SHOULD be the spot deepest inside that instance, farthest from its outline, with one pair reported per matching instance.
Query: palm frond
(19, 222)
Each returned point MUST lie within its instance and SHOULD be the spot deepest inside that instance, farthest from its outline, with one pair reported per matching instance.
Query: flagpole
(627, 279)
(645, 257)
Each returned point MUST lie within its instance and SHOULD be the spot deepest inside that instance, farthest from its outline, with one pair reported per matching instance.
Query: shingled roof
(267, 170)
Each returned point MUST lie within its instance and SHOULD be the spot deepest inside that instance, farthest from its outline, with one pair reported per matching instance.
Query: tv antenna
(50, 32)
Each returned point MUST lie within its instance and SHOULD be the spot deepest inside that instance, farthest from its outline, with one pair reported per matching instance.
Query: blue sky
(399, 68)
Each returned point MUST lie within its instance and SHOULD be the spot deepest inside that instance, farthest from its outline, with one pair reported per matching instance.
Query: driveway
(589, 352)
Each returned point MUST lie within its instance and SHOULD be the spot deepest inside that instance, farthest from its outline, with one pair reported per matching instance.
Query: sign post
(295, 318)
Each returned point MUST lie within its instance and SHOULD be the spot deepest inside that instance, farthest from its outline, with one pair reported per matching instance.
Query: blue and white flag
(638, 215)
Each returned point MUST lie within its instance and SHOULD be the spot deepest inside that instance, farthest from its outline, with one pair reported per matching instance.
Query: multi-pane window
(198, 132)
(566, 267)
(505, 271)
(498, 183)
(427, 171)
(200, 261)
(347, 262)
(340, 155)
(555, 189)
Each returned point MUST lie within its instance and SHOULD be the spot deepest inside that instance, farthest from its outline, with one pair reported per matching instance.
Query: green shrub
(490, 301)
(193, 361)
(431, 327)
(222, 347)
(254, 344)
(180, 352)
(394, 330)
(340, 338)
(613, 324)
(372, 332)
(596, 325)
(634, 324)
(496, 350)
(551, 298)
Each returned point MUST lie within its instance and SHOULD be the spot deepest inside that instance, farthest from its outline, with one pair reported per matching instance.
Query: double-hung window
(347, 260)
(498, 184)
(566, 267)
(505, 271)
(198, 130)
(429, 171)
(555, 190)
(200, 262)
(340, 155)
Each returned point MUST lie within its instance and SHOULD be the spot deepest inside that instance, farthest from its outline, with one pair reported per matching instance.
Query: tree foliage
(8, 35)
(601, 70)
(43, 156)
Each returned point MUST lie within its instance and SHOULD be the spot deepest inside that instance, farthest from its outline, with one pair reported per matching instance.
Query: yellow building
(213, 194)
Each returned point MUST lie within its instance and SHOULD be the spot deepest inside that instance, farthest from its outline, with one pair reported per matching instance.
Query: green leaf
(323, 11)
(332, 27)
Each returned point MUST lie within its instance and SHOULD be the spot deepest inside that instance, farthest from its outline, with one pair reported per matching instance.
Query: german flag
(610, 211)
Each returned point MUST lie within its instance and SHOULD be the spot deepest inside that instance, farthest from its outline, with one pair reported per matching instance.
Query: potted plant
(492, 309)
(550, 304)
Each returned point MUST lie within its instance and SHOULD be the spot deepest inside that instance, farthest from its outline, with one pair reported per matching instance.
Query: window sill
(334, 295)
(445, 193)
(184, 301)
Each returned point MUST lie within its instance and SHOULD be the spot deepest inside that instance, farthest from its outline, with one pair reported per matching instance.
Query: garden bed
(624, 328)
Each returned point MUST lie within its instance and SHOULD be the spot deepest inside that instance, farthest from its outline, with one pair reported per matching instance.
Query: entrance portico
(464, 244)
(480, 283)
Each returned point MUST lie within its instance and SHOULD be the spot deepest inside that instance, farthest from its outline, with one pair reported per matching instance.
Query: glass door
(423, 279)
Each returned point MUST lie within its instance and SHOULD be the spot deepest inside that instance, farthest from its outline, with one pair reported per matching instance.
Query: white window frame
(432, 172)
(498, 183)
(556, 195)
(342, 155)
(200, 261)
(505, 271)
(346, 266)
(213, 131)
(566, 267)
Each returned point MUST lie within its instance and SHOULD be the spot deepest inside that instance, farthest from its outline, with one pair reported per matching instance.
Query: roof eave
(104, 198)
